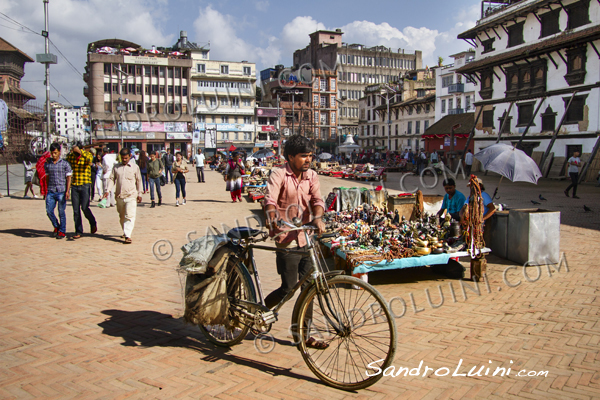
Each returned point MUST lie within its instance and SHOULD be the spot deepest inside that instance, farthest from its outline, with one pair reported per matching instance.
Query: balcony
(456, 88)
(453, 111)
(86, 91)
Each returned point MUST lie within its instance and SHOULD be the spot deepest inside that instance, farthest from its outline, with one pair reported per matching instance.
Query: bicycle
(348, 314)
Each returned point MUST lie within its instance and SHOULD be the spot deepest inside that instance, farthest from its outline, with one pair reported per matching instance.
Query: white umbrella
(509, 162)
(324, 156)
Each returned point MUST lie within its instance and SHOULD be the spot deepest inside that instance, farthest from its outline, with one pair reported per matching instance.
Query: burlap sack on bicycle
(207, 303)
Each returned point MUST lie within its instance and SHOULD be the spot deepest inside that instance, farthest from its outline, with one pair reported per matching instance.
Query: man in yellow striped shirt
(81, 180)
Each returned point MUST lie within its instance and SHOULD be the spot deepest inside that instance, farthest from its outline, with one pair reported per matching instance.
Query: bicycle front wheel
(354, 320)
(238, 287)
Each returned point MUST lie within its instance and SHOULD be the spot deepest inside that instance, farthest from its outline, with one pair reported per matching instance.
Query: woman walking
(143, 164)
(29, 170)
(97, 185)
(179, 170)
(233, 177)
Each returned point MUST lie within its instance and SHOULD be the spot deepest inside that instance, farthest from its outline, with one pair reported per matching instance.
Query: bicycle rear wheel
(365, 338)
(238, 287)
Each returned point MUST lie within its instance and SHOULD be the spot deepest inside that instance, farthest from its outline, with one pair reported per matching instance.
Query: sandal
(316, 344)
(127, 241)
(75, 237)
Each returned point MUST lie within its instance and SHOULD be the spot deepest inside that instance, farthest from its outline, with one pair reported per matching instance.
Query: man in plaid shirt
(81, 181)
(58, 178)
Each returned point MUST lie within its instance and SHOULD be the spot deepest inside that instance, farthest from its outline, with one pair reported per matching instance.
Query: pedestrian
(155, 170)
(41, 171)
(109, 160)
(81, 180)
(97, 183)
(233, 177)
(58, 182)
(199, 163)
(294, 191)
(168, 163)
(468, 162)
(573, 171)
(127, 182)
(433, 157)
(29, 170)
(143, 164)
(179, 170)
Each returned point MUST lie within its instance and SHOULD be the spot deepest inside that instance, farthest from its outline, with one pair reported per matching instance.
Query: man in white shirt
(468, 162)
(433, 157)
(108, 162)
(199, 162)
(573, 171)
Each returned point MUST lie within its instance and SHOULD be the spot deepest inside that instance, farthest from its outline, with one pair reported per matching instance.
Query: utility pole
(279, 126)
(46, 59)
(121, 107)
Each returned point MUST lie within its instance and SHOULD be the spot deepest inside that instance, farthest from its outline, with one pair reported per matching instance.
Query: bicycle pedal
(269, 317)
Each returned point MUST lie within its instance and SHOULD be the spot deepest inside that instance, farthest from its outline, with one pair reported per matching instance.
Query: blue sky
(262, 31)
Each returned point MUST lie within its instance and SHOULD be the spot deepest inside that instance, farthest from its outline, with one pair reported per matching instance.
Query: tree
(258, 93)
(440, 61)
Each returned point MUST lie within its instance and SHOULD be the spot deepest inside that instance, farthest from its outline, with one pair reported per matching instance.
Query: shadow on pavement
(27, 233)
(152, 328)
(209, 201)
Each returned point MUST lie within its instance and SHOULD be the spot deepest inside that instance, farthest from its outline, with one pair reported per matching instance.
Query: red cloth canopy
(232, 148)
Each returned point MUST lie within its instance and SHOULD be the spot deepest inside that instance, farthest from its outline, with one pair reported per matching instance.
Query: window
(443, 106)
(106, 87)
(225, 119)
(147, 70)
(247, 136)
(450, 104)
(177, 72)
(505, 126)
(225, 135)
(170, 72)
(323, 101)
(247, 71)
(515, 34)
(247, 103)
(115, 88)
(548, 120)
(235, 101)
(576, 59)
(161, 72)
(225, 69)
(178, 90)
(426, 125)
(409, 129)
(333, 84)
(487, 84)
(525, 113)
(154, 71)
(107, 68)
(578, 14)
(526, 79)
(154, 89)
(418, 127)
(467, 103)
(247, 120)
(107, 106)
(323, 85)
(161, 90)
(224, 101)
(205, 55)
(410, 110)
(170, 90)
(550, 23)
(488, 119)
(427, 109)
(488, 45)
(147, 89)
(201, 68)
(575, 111)
(138, 89)
(184, 91)
(447, 81)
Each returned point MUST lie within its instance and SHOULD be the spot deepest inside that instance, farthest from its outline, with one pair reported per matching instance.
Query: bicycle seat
(243, 232)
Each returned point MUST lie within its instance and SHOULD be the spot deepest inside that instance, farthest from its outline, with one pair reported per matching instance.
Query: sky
(266, 32)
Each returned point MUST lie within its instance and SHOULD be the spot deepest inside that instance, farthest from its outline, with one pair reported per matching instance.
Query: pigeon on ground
(535, 202)
(586, 208)
(542, 198)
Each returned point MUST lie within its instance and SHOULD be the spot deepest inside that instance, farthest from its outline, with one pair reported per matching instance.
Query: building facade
(536, 66)
(140, 95)
(68, 123)
(224, 99)
(357, 67)
(455, 94)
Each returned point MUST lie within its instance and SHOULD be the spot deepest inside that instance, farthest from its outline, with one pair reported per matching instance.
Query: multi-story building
(68, 123)
(536, 67)
(455, 94)
(308, 102)
(370, 121)
(267, 127)
(224, 98)
(357, 66)
(16, 134)
(142, 94)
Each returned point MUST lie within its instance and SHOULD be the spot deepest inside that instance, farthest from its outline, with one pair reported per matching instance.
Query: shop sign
(176, 127)
(275, 143)
(259, 145)
(447, 141)
(200, 126)
(145, 60)
(268, 128)
(178, 136)
(150, 135)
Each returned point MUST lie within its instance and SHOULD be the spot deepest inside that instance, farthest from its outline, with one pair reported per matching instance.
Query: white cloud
(74, 24)
(294, 34)
(262, 5)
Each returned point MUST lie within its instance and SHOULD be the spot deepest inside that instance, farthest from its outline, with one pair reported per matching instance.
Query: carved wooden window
(550, 23)
(526, 79)
(515, 34)
(488, 119)
(575, 111)
(578, 14)
(548, 120)
(487, 84)
(576, 60)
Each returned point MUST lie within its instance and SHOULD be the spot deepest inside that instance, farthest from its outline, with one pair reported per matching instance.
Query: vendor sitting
(453, 200)
(488, 205)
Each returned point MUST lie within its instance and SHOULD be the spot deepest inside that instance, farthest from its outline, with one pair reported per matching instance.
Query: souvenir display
(369, 233)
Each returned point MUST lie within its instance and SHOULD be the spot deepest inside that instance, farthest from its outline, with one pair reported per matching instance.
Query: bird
(542, 198)
(586, 208)
(535, 202)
